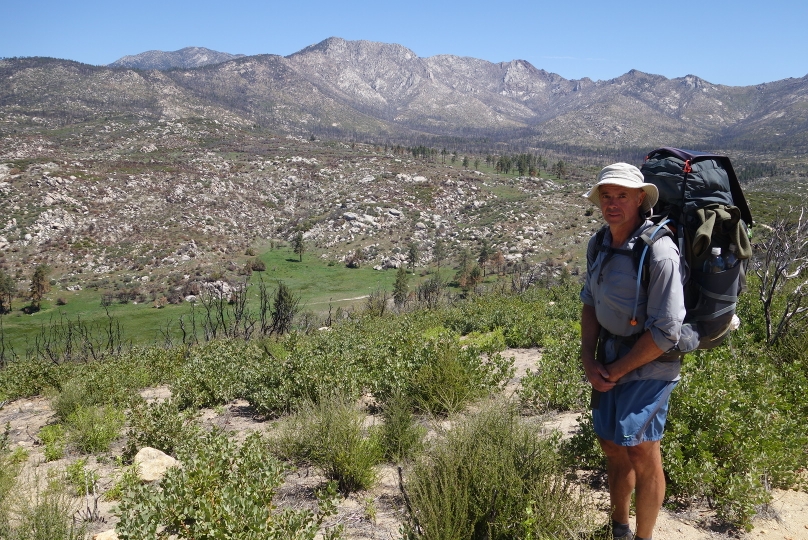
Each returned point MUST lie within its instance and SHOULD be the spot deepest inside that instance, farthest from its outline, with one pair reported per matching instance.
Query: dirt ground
(377, 514)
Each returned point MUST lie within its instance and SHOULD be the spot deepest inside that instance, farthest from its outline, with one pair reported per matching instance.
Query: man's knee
(612, 450)
(645, 455)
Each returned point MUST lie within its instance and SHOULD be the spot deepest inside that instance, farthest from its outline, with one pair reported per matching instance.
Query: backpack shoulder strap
(595, 247)
(641, 259)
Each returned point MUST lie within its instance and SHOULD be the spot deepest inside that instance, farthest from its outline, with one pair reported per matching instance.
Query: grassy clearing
(320, 283)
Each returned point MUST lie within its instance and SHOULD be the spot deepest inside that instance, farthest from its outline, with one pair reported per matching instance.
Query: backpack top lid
(691, 179)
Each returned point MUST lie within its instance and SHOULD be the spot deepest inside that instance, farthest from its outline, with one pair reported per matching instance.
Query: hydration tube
(633, 320)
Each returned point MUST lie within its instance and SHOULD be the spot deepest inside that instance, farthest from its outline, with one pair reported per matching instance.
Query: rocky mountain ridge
(186, 58)
(385, 92)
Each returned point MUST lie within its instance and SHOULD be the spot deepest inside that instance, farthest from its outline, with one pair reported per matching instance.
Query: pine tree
(401, 287)
(8, 288)
(299, 246)
(412, 254)
(438, 252)
(485, 255)
(39, 286)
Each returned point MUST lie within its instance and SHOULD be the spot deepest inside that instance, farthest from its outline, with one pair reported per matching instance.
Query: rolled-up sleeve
(665, 310)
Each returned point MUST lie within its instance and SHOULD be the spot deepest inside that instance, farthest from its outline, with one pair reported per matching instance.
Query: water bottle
(715, 263)
(731, 258)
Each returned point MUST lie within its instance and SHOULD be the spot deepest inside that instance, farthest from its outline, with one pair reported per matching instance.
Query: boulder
(152, 464)
(106, 535)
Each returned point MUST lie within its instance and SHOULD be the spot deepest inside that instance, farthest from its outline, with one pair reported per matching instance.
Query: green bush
(330, 434)
(9, 469)
(494, 476)
(732, 434)
(128, 480)
(31, 513)
(26, 377)
(79, 478)
(582, 450)
(159, 425)
(105, 381)
(400, 436)
(92, 429)
(72, 397)
(559, 383)
(53, 437)
(221, 491)
(312, 366)
(215, 373)
(451, 374)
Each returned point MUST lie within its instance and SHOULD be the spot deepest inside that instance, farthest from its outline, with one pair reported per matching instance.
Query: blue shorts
(634, 412)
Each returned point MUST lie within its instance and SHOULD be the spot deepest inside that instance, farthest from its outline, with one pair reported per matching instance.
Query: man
(625, 334)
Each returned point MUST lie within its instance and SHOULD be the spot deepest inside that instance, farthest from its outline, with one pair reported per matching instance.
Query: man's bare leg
(622, 479)
(646, 459)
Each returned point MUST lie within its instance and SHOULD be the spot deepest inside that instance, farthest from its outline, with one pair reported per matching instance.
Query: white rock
(152, 464)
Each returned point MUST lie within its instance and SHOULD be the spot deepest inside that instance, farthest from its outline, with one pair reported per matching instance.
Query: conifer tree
(8, 288)
(299, 246)
(39, 286)
(401, 287)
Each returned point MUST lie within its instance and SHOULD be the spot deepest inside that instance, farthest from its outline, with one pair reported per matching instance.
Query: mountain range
(384, 92)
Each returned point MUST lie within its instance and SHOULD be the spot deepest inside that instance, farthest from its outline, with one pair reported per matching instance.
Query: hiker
(623, 352)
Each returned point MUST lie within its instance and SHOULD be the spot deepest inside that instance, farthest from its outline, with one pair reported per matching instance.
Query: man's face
(620, 205)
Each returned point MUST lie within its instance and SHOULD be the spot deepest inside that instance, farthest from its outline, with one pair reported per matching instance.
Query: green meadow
(321, 284)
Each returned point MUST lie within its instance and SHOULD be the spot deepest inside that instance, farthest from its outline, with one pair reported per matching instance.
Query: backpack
(701, 206)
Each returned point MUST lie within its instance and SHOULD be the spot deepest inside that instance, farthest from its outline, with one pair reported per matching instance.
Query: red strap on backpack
(686, 169)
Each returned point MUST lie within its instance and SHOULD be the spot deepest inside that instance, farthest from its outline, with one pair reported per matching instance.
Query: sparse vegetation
(512, 235)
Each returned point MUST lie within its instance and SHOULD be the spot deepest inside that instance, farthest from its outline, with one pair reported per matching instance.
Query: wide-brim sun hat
(626, 175)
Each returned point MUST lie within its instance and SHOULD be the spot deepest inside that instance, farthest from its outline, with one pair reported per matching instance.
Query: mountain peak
(187, 58)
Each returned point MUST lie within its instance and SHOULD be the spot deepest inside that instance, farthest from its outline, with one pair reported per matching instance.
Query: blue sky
(725, 42)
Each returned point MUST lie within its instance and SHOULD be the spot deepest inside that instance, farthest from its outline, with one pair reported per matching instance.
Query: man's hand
(598, 376)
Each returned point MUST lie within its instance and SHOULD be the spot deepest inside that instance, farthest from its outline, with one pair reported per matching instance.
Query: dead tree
(782, 268)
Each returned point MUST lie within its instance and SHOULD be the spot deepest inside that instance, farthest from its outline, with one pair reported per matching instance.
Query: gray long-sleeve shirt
(610, 287)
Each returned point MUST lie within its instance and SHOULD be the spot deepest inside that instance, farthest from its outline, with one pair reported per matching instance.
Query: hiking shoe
(606, 532)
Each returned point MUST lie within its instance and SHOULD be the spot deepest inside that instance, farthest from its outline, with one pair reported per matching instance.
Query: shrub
(494, 476)
(560, 382)
(304, 368)
(127, 481)
(732, 434)
(582, 450)
(159, 425)
(221, 491)
(449, 375)
(53, 437)
(92, 429)
(26, 377)
(36, 513)
(215, 373)
(330, 434)
(72, 397)
(79, 478)
(401, 437)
